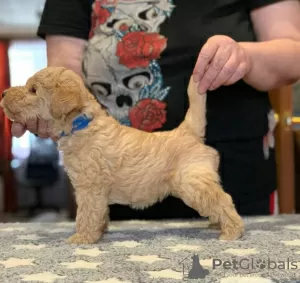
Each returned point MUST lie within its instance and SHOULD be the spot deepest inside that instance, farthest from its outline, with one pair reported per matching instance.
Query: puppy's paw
(80, 239)
(232, 235)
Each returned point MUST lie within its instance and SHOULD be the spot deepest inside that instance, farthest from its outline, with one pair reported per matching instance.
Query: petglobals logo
(255, 264)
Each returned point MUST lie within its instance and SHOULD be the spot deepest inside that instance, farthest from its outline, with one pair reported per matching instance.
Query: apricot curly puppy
(110, 163)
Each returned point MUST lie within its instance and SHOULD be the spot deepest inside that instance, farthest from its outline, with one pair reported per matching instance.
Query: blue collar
(79, 123)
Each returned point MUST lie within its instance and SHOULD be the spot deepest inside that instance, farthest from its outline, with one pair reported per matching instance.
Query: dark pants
(245, 173)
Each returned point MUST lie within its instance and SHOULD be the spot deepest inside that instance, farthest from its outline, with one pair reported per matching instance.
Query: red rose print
(137, 49)
(123, 27)
(99, 16)
(101, 13)
(148, 115)
(93, 26)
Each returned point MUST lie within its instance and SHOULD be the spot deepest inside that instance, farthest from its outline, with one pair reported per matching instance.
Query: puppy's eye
(33, 90)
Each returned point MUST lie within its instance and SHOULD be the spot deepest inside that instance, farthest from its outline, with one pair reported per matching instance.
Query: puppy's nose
(3, 94)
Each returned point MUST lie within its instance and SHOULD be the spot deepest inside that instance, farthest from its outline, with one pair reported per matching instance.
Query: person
(137, 56)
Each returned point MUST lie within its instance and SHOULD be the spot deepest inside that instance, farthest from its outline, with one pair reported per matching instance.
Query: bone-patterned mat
(156, 252)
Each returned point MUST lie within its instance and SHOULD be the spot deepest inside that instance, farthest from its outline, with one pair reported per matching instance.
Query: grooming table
(153, 252)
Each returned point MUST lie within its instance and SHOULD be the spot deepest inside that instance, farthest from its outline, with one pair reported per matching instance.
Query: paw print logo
(261, 264)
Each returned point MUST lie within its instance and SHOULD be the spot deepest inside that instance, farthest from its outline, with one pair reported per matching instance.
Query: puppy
(109, 163)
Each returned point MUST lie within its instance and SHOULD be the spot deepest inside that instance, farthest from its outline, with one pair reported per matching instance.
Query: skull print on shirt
(120, 63)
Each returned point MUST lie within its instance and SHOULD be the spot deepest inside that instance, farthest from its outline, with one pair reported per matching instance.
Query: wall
(19, 18)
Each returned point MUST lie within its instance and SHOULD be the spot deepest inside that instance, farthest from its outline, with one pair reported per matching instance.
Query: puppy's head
(51, 94)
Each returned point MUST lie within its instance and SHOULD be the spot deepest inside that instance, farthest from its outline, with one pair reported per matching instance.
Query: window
(25, 58)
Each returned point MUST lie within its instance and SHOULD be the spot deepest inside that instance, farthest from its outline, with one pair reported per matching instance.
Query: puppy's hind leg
(202, 192)
(230, 223)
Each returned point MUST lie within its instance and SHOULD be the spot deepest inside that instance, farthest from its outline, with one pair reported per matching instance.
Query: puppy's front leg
(92, 217)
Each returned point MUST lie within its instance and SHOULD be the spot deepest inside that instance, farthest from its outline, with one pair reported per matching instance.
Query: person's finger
(206, 54)
(54, 138)
(42, 129)
(32, 125)
(227, 72)
(238, 74)
(50, 128)
(216, 65)
(17, 129)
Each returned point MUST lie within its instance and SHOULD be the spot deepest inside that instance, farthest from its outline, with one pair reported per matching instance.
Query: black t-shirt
(141, 54)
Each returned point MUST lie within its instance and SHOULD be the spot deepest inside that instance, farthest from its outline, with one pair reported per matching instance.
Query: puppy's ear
(68, 95)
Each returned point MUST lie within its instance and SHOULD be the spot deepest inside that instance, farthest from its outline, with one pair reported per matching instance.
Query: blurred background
(33, 185)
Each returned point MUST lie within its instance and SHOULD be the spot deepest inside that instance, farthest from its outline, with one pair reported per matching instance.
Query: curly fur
(109, 163)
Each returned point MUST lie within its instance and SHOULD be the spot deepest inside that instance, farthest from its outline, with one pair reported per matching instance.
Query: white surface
(20, 18)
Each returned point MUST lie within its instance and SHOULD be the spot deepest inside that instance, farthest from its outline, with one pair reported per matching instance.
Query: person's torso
(141, 55)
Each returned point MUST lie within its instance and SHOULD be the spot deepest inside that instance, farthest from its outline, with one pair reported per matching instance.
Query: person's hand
(41, 128)
(221, 61)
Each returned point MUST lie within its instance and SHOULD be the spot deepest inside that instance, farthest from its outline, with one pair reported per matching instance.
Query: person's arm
(65, 51)
(66, 28)
(275, 59)
(272, 62)
(65, 25)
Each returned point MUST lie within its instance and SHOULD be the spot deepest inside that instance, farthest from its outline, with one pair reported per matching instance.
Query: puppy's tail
(195, 118)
